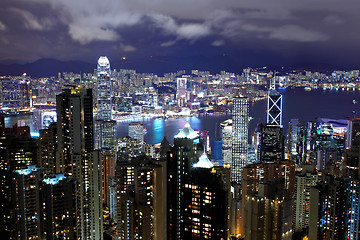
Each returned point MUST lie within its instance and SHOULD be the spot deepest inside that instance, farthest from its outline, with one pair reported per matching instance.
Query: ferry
(308, 89)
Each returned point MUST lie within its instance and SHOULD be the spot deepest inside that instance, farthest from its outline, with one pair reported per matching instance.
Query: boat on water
(308, 89)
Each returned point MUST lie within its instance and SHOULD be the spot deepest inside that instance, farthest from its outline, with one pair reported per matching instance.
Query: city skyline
(206, 33)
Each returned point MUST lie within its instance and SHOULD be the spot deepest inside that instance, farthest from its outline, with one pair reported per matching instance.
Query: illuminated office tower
(295, 143)
(141, 199)
(226, 135)
(271, 143)
(103, 86)
(274, 107)
(59, 213)
(105, 137)
(181, 91)
(240, 123)
(303, 183)
(26, 202)
(76, 157)
(15, 93)
(205, 202)
(136, 131)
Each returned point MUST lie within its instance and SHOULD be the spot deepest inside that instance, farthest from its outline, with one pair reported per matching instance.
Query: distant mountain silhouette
(45, 68)
(157, 65)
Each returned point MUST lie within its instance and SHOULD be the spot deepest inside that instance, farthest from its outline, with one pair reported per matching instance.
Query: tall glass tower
(103, 89)
(274, 107)
(240, 119)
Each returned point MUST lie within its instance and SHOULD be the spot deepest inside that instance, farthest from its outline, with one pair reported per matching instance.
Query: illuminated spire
(203, 162)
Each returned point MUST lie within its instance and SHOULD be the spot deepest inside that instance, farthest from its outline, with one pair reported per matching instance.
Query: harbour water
(297, 103)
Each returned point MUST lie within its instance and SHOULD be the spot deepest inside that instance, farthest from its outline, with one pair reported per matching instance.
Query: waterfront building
(76, 157)
(181, 93)
(105, 137)
(136, 131)
(216, 151)
(240, 122)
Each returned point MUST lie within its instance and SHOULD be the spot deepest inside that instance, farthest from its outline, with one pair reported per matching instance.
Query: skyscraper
(271, 143)
(181, 91)
(141, 198)
(274, 107)
(226, 135)
(76, 157)
(26, 200)
(205, 202)
(103, 86)
(240, 117)
(136, 131)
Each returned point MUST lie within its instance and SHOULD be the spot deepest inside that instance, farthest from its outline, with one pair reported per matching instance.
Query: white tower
(274, 106)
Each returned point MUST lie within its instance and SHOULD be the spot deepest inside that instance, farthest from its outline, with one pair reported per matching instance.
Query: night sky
(238, 32)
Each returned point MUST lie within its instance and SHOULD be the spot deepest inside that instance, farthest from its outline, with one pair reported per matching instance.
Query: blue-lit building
(216, 151)
(334, 209)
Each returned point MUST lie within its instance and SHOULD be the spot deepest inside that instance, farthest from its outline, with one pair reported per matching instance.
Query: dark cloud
(295, 31)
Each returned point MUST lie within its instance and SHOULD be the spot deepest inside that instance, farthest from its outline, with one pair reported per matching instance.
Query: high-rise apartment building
(26, 202)
(308, 178)
(59, 213)
(268, 213)
(205, 202)
(240, 124)
(334, 209)
(183, 155)
(77, 158)
(141, 198)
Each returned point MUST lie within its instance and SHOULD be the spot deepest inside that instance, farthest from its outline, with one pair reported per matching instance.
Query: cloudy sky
(251, 32)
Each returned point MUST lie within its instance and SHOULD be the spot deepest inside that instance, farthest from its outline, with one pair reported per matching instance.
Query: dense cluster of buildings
(77, 180)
